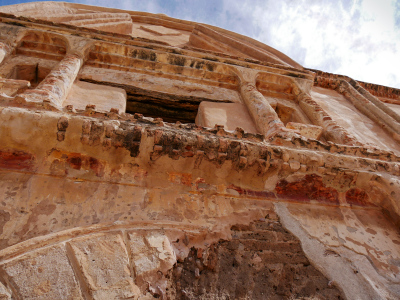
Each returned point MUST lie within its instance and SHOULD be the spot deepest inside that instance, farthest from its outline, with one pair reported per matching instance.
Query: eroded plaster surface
(146, 157)
(343, 112)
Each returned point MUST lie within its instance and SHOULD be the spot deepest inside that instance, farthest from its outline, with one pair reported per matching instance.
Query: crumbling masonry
(147, 157)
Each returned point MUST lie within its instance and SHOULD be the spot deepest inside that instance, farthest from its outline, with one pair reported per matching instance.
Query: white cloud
(357, 38)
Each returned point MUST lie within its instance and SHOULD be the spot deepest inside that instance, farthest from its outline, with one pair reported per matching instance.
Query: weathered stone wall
(262, 261)
(159, 158)
(101, 173)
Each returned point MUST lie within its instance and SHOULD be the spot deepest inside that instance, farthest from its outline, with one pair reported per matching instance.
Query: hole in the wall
(171, 108)
(169, 111)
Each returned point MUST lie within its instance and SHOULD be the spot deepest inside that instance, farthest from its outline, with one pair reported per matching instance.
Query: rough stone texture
(104, 265)
(363, 128)
(309, 131)
(152, 256)
(45, 274)
(10, 87)
(111, 188)
(262, 261)
(100, 96)
(4, 294)
(229, 115)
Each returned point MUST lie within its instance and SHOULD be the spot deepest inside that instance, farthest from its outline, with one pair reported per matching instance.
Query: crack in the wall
(76, 267)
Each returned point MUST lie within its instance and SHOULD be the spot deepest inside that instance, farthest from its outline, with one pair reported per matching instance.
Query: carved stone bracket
(57, 84)
(318, 116)
(377, 112)
(79, 46)
(264, 116)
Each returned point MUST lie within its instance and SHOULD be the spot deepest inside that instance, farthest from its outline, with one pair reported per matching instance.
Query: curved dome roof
(174, 32)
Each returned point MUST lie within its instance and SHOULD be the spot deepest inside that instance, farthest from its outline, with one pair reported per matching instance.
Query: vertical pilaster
(264, 116)
(332, 130)
(57, 84)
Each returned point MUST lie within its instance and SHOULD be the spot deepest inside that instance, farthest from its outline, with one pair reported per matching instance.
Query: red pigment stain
(96, 166)
(75, 161)
(309, 188)
(180, 178)
(16, 160)
(357, 196)
(252, 193)
(78, 161)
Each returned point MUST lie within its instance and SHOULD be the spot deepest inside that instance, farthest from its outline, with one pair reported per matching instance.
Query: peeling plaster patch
(342, 241)
(252, 193)
(351, 229)
(16, 160)
(335, 268)
(357, 196)
(180, 178)
(62, 162)
(309, 188)
(271, 182)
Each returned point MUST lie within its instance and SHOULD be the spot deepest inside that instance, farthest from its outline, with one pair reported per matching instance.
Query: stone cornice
(145, 43)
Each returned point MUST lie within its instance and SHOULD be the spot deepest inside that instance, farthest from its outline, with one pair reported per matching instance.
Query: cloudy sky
(358, 38)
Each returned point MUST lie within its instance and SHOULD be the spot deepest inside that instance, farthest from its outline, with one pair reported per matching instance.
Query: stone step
(276, 226)
(259, 245)
(257, 234)
(39, 54)
(42, 47)
(283, 257)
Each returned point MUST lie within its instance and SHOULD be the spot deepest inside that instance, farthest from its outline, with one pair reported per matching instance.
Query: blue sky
(358, 38)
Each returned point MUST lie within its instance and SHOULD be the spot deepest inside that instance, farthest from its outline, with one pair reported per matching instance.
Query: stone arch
(142, 261)
(97, 262)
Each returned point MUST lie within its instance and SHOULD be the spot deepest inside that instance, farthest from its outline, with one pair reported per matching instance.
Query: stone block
(230, 115)
(284, 257)
(261, 235)
(260, 245)
(122, 27)
(160, 30)
(103, 97)
(104, 264)
(151, 252)
(11, 87)
(307, 130)
(44, 274)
